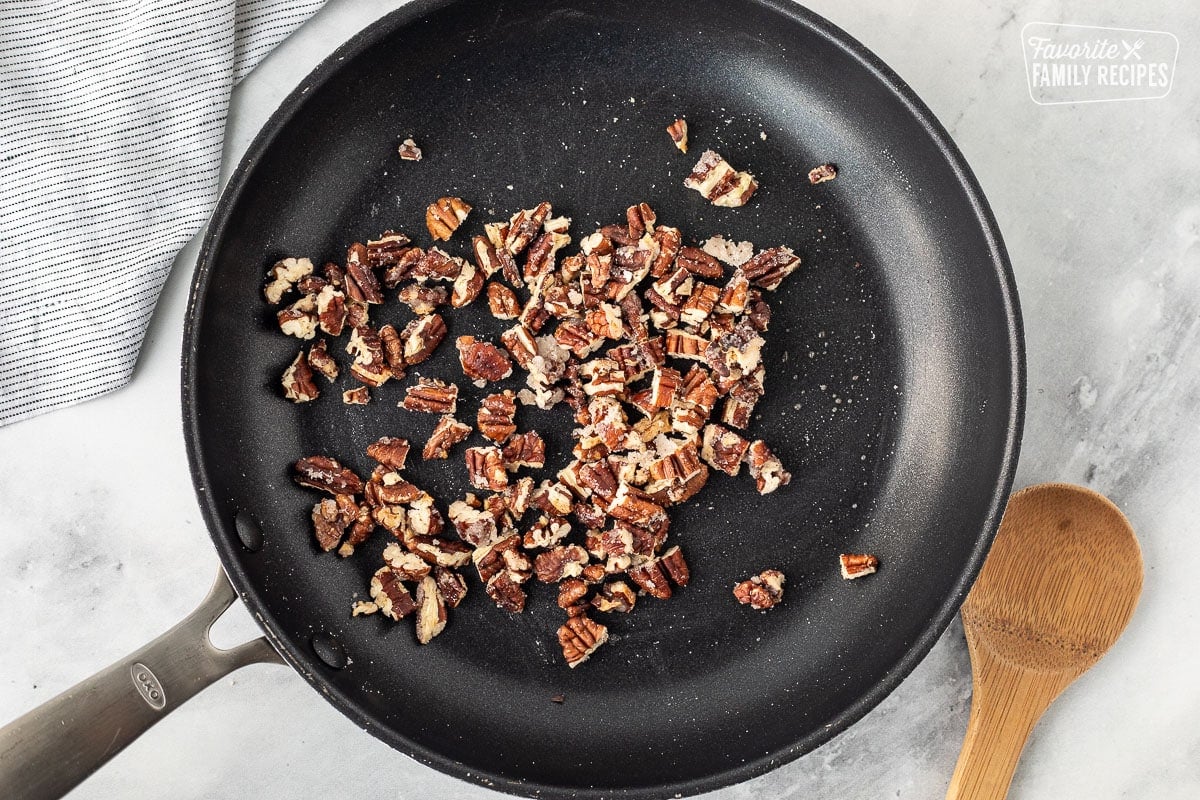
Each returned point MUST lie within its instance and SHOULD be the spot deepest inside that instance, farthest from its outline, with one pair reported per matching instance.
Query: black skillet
(895, 387)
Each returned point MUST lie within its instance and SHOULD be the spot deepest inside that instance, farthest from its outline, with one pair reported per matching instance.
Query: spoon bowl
(1056, 592)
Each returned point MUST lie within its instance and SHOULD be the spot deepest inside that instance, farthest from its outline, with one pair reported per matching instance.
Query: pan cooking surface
(894, 379)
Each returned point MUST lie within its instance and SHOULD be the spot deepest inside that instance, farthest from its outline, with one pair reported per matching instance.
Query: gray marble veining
(101, 543)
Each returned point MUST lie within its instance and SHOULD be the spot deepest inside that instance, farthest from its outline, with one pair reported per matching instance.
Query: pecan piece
(485, 468)
(444, 215)
(358, 272)
(482, 361)
(663, 386)
(300, 318)
(320, 360)
(563, 561)
(467, 286)
(408, 566)
(423, 299)
(821, 174)
(370, 362)
(439, 552)
(393, 351)
(614, 596)
(525, 450)
(571, 594)
(390, 595)
(404, 265)
(389, 451)
(681, 344)
(496, 415)
(438, 265)
(520, 344)
(546, 532)
(506, 592)
(678, 131)
(331, 310)
(360, 530)
(698, 262)
(770, 267)
(409, 151)
(579, 637)
(421, 337)
(326, 474)
(700, 304)
(431, 396)
(431, 610)
(523, 226)
(766, 468)
(298, 383)
(672, 561)
(651, 578)
(735, 294)
(450, 585)
(446, 434)
(502, 301)
(719, 183)
(358, 396)
(331, 517)
(542, 254)
(762, 591)
(723, 449)
(475, 526)
(284, 275)
(857, 565)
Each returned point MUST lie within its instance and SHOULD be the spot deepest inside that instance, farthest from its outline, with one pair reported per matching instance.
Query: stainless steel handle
(51, 749)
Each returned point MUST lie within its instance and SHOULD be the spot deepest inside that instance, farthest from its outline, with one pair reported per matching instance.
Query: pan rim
(309, 666)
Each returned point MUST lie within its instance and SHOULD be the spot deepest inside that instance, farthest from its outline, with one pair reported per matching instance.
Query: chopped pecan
(719, 183)
(431, 396)
(331, 310)
(732, 253)
(651, 578)
(300, 318)
(614, 596)
(563, 561)
(678, 131)
(597, 478)
(576, 336)
(408, 566)
(358, 272)
(450, 585)
(424, 299)
(387, 249)
(284, 275)
(546, 532)
(475, 526)
(542, 252)
(506, 592)
(502, 301)
(700, 303)
(444, 215)
(496, 415)
(359, 396)
(554, 498)
(698, 262)
(604, 378)
(723, 449)
(633, 505)
(640, 220)
(390, 595)
(360, 530)
(311, 284)
(421, 337)
(739, 406)
(525, 450)
(485, 468)
(681, 344)
(770, 267)
(439, 552)
(766, 468)
(825, 172)
(672, 561)
(389, 451)
(467, 286)
(579, 637)
(483, 361)
(664, 386)
(525, 225)
(571, 594)
(409, 151)
(518, 495)
(370, 363)
(759, 315)
(446, 434)
(856, 565)
(486, 259)
(425, 519)
(605, 321)
(404, 265)
(331, 517)
(298, 383)
(393, 351)
(357, 313)
(320, 360)
(762, 591)
(520, 343)
(431, 610)
(386, 486)
(326, 474)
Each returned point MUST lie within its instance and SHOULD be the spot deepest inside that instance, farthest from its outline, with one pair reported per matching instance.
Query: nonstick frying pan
(895, 395)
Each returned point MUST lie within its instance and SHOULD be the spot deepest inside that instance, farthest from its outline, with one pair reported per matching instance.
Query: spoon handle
(1007, 702)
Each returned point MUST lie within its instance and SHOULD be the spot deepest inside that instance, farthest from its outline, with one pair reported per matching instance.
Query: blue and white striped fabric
(112, 118)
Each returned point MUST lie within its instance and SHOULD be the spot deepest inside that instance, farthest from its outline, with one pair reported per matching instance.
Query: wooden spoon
(1054, 595)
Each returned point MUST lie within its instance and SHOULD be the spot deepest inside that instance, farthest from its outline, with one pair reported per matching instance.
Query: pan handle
(52, 748)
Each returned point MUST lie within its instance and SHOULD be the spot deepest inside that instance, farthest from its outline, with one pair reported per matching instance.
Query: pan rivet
(329, 650)
(248, 531)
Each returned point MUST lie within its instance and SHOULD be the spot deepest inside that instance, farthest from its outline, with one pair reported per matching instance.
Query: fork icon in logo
(1132, 49)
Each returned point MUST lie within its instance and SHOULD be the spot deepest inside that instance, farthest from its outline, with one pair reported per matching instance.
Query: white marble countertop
(102, 545)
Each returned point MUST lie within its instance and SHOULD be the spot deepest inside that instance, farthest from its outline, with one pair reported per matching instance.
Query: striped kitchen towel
(112, 118)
